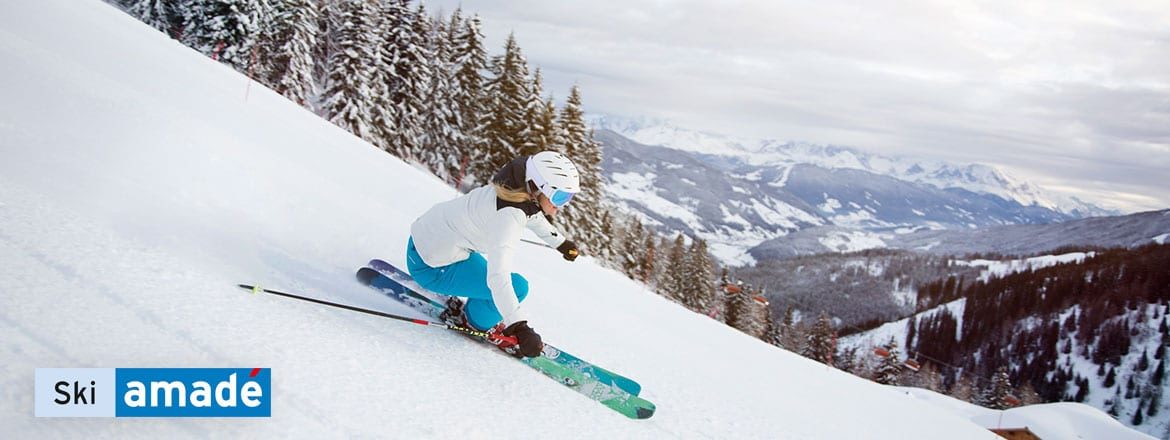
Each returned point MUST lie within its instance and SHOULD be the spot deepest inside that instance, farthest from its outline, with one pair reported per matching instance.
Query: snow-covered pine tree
(673, 279)
(606, 247)
(549, 139)
(1082, 390)
(285, 60)
(718, 298)
(1114, 405)
(223, 29)
(346, 100)
(663, 263)
(507, 92)
(322, 54)
(846, 360)
(402, 79)
(632, 247)
(996, 395)
(470, 99)
(790, 335)
(159, 14)
(749, 314)
(763, 310)
(741, 311)
(440, 121)
(889, 368)
(821, 345)
(698, 283)
(771, 330)
(733, 305)
(540, 127)
(649, 261)
(587, 211)
(393, 19)
(418, 58)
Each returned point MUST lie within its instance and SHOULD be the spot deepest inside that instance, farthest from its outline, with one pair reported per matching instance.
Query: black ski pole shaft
(258, 289)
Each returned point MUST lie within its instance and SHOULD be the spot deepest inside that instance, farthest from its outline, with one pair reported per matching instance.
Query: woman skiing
(445, 253)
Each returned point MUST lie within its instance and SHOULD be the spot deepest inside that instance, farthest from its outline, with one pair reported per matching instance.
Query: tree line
(1110, 311)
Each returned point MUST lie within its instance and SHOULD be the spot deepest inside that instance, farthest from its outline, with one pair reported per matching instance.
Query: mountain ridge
(978, 178)
(1097, 232)
(736, 204)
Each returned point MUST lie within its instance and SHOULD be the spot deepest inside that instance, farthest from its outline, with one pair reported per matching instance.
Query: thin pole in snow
(473, 332)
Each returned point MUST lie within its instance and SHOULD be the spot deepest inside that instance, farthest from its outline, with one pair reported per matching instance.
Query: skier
(445, 253)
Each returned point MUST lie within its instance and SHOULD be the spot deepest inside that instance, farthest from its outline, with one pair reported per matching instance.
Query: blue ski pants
(467, 279)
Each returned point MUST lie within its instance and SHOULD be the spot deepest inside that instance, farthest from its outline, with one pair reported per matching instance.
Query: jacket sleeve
(505, 230)
(540, 225)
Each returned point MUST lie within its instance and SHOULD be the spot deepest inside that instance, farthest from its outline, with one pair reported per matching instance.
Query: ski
(578, 375)
(420, 298)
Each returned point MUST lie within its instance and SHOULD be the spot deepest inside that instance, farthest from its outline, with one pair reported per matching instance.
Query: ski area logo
(154, 392)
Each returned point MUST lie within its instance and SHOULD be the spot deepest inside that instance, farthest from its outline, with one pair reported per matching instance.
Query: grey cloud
(1073, 95)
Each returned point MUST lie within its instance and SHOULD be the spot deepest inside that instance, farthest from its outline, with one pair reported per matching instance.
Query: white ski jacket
(480, 222)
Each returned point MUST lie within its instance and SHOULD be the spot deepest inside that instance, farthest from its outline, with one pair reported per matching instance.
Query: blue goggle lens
(560, 198)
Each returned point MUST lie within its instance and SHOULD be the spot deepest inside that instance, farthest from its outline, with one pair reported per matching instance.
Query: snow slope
(139, 182)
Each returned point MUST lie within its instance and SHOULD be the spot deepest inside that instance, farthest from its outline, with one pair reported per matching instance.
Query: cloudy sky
(1071, 95)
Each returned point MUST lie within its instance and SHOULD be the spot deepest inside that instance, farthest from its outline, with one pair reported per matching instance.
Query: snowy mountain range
(977, 178)
(1119, 231)
(737, 194)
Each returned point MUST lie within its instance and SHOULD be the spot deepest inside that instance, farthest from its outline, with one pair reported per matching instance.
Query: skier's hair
(511, 195)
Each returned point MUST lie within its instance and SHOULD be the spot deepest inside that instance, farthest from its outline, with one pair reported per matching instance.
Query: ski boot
(454, 315)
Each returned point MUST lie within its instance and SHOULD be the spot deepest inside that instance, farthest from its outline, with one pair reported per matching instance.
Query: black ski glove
(568, 249)
(530, 343)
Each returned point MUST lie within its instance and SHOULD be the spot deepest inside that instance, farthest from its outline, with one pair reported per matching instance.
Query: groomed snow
(141, 181)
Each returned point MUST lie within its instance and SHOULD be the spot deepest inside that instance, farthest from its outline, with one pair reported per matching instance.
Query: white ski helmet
(554, 175)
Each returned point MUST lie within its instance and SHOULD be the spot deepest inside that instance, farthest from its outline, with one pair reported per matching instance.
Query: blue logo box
(154, 392)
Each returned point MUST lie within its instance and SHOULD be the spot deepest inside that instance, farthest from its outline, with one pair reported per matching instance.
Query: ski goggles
(560, 198)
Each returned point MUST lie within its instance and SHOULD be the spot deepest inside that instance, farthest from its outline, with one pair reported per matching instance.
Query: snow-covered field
(999, 269)
(1047, 421)
(140, 181)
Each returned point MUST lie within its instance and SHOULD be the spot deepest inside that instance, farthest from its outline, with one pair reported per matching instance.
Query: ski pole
(535, 243)
(543, 245)
(473, 332)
